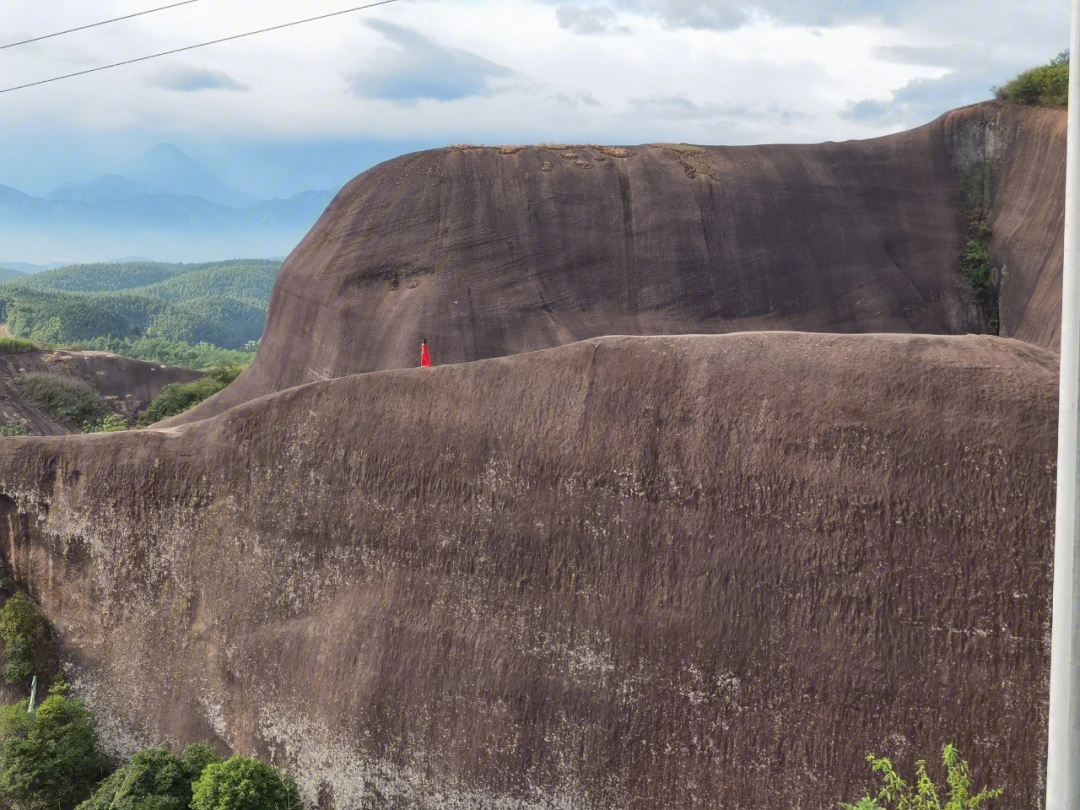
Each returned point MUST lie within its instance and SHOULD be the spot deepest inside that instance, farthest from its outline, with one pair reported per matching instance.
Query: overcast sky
(312, 105)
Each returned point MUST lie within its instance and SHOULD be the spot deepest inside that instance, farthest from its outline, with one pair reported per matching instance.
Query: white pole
(1063, 744)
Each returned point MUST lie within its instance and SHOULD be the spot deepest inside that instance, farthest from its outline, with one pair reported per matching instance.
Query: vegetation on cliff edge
(1043, 86)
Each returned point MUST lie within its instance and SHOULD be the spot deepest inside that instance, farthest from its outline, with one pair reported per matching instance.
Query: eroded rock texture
(668, 572)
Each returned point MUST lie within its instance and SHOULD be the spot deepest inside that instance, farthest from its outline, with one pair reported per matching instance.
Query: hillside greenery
(170, 313)
(10, 345)
(1043, 86)
(169, 352)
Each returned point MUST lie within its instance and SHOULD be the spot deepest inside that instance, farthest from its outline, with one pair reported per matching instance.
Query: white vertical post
(1063, 749)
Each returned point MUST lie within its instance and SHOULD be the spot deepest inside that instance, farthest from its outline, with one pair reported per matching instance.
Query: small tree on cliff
(240, 783)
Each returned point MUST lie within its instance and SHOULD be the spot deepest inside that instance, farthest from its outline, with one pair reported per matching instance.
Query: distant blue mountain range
(165, 206)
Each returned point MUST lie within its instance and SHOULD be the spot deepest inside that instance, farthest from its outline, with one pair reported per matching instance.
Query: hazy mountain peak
(167, 169)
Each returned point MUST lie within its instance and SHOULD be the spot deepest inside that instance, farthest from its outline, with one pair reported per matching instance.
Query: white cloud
(419, 68)
(589, 20)
(498, 71)
(190, 79)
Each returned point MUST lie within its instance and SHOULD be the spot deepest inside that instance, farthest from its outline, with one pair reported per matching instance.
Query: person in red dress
(425, 358)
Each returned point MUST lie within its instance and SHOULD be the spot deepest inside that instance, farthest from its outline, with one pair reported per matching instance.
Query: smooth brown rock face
(670, 572)
(1027, 215)
(488, 252)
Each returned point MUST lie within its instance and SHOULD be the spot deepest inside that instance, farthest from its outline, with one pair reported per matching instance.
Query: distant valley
(164, 206)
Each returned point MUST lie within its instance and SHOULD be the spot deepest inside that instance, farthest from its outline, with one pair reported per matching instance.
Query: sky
(313, 105)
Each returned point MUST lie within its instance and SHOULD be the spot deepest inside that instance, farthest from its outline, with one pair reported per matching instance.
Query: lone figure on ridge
(425, 358)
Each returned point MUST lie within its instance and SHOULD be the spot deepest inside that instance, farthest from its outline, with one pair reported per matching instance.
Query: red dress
(425, 358)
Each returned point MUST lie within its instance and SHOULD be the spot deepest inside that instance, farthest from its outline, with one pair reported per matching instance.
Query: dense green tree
(154, 779)
(240, 783)
(49, 758)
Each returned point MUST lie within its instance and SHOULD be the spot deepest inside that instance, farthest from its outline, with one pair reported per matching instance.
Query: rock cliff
(667, 572)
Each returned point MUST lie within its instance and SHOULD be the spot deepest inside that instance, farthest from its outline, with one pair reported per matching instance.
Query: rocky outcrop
(669, 572)
(127, 385)
(488, 252)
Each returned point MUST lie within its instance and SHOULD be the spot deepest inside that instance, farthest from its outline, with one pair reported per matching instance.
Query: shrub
(176, 398)
(225, 373)
(112, 423)
(240, 783)
(49, 759)
(68, 400)
(12, 428)
(22, 628)
(10, 345)
(923, 795)
(1044, 86)
(154, 779)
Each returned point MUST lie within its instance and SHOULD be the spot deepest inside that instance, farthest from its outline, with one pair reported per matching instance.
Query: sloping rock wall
(672, 572)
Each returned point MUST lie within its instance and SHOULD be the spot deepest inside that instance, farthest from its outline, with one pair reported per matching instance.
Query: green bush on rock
(112, 423)
(240, 783)
(12, 428)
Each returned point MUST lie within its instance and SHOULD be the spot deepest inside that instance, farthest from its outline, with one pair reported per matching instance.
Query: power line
(95, 25)
(200, 45)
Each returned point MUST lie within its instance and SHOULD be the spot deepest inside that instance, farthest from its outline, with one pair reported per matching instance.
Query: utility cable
(200, 45)
(95, 25)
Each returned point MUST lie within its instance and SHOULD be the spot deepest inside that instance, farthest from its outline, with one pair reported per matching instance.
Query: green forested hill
(188, 280)
(102, 277)
(244, 281)
(146, 310)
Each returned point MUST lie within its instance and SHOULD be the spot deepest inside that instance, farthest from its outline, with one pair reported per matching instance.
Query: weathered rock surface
(488, 252)
(127, 385)
(669, 572)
